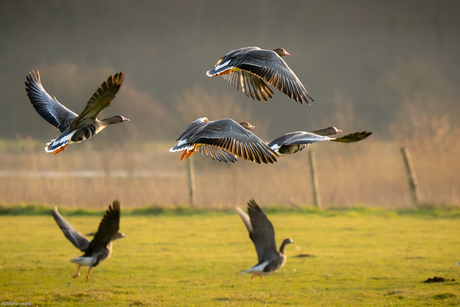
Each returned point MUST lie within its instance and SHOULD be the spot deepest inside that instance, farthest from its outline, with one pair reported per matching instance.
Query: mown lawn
(359, 260)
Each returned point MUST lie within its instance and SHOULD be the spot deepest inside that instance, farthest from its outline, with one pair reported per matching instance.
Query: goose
(74, 128)
(293, 142)
(100, 248)
(223, 140)
(262, 233)
(251, 68)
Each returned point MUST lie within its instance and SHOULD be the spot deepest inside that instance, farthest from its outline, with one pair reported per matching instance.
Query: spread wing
(251, 85)
(327, 131)
(108, 228)
(262, 234)
(101, 99)
(235, 139)
(48, 107)
(216, 153)
(70, 233)
(245, 218)
(271, 68)
(297, 138)
(353, 137)
(192, 127)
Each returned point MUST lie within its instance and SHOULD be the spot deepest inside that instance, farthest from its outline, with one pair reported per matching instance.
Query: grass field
(362, 257)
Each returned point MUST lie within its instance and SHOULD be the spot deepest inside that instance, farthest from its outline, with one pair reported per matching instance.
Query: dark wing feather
(76, 238)
(263, 233)
(192, 127)
(326, 131)
(101, 99)
(353, 137)
(48, 107)
(108, 227)
(271, 68)
(298, 137)
(216, 153)
(231, 136)
(251, 85)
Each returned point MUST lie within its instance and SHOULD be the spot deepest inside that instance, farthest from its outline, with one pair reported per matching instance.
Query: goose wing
(245, 218)
(108, 228)
(269, 67)
(353, 137)
(48, 107)
(192, 127)
(262, 234)
(298, 138)
(216, 153)
(235, 139)
(251, 85)
(327, 131)
(76, 238)
(100, 100)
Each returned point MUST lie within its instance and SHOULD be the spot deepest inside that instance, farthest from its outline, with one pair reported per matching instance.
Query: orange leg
(60, 149)
(187, 153)
(87, 276)
(255, 275)
(78, 272)
(183, 155)
(191, 152)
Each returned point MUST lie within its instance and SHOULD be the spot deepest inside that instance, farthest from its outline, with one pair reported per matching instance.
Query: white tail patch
(53, 145)
(84, 261)
(175, 148)
(257, 268)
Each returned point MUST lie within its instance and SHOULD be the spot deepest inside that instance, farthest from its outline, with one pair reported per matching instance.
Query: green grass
(362, 259)
(423, 211)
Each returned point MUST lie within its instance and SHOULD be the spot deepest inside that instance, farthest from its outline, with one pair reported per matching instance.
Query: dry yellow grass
(370, 172)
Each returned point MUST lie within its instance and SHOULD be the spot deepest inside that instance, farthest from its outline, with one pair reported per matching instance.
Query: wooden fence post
(413, 183)
(191, 182)
(314, 179)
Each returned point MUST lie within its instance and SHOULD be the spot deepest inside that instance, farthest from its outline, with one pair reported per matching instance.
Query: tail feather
(182, 147)
(59, 144)
(54, 145)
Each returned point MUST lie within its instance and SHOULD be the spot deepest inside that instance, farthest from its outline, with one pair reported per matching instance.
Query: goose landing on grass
(262, 233)
(100, 248)
(74, 128)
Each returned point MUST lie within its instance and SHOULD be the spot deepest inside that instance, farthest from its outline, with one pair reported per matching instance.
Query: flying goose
(74, 128)
(100, 248)
(223, 140)
(251, 68)
(262, 234)
(293, 142)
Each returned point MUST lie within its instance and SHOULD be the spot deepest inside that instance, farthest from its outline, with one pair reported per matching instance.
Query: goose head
(281, 52)
(115, 120)
(247, 125)
(283, 245)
